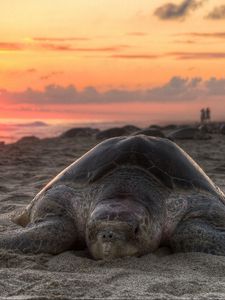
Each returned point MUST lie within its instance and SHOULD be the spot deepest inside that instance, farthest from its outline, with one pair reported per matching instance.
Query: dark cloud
(171, 11)
(177, 89)
(216, 86)
(10, 46)
(218, 13)
(54, 94)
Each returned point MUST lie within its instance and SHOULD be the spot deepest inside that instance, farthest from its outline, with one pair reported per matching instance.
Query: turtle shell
(184, 133)
(158, 156)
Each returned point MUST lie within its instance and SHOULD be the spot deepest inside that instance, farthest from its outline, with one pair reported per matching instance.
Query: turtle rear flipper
(198, 236)
(52, 235)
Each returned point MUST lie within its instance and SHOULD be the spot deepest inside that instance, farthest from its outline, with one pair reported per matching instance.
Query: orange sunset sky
(100, 60)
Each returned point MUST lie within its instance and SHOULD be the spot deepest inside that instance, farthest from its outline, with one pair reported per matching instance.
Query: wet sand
(27, 166)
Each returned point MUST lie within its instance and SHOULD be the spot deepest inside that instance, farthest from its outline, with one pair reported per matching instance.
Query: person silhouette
(202, 115)
(207, 114)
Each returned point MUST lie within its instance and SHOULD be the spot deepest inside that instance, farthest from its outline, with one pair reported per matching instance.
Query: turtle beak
(107, 239)
(107, 250)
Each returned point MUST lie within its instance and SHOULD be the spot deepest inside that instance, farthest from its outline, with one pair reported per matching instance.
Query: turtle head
(118, 228)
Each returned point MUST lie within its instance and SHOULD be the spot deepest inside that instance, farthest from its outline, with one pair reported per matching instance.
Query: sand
(27, 166)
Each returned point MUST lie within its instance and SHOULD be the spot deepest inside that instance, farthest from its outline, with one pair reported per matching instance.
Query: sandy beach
(26, 166)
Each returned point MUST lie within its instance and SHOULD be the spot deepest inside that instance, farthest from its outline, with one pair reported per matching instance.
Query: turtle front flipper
(198, 235)
(52, 235)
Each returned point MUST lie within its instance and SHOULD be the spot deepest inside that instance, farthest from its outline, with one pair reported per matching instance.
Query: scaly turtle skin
(127, 196)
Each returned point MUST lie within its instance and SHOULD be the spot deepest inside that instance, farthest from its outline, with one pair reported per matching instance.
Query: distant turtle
(130, 128)
(222, 129)
(28, 140)
(170, 127)
(79, 132)
(153, 126)
(127, 196)
(188, 133)
(116, 131)
(150, 132)
(205, 128)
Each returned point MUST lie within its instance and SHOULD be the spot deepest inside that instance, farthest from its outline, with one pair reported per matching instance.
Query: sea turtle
(154, 126)
(170, 127)
(79, 132)
(126, 196)
(33, 140)
(188, 133)
(116, 131)
(150, 132)
(222, 129)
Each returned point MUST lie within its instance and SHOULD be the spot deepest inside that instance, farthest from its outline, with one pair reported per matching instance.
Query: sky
(112, 60)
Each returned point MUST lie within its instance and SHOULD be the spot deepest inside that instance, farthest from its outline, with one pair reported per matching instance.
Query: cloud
(50, 75)
(177, 55)
(184, 41)
(171, 11)
(63, 47)
(52, 94)
(206, 34)
(216, 86)
(137, 33)
(10, 46)
(59, 39)
(197, 55)
(218, 13)
(177, 89)
(59, 46)
(135, 56)
(31, 70)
